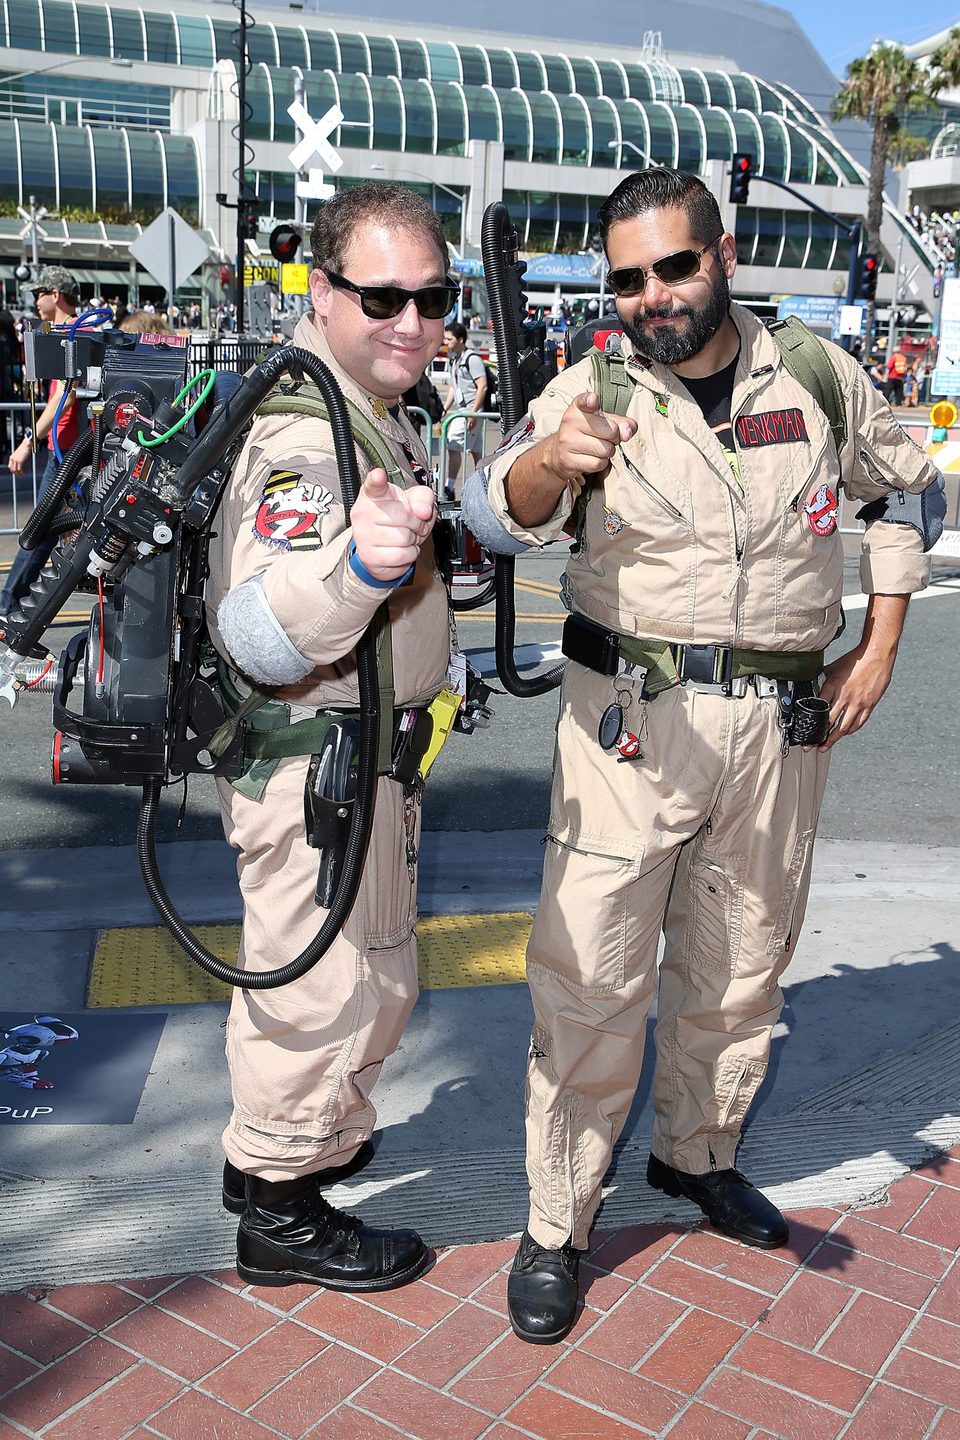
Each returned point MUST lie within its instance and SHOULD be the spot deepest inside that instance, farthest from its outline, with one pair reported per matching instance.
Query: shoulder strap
(805, 358)
(610, 380)
(307, 400)
(613, 386)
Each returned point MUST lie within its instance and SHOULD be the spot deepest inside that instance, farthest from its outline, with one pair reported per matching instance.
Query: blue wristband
(360, 570)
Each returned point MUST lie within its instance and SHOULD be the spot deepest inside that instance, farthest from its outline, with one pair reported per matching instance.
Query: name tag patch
(773, 427)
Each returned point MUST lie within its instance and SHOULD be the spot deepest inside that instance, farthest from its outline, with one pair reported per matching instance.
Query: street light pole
(618, 144)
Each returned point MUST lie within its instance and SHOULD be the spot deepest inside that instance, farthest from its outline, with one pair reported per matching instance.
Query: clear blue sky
(842, 31)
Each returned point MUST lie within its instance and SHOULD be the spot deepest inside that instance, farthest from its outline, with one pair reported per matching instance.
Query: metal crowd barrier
(18, 493)
(487, 443)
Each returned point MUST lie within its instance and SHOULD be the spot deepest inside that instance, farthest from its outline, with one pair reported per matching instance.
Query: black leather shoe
(728, 1200)
(289, 1234)
(542, 1292)
(234, 1192)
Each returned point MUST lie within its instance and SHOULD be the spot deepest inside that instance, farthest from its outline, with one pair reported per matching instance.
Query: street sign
(945, 379)
(294, 279)
(170, 250)
(259, 313)
(261, 272)
(851, 320)
(314, 142)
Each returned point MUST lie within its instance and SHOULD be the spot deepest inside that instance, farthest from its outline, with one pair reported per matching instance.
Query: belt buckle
(699, 666)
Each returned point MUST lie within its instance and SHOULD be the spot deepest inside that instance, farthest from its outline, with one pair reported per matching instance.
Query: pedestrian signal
(740, 178)
(285, 241)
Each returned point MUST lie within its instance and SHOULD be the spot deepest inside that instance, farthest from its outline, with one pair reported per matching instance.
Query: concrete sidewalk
(124, 1318)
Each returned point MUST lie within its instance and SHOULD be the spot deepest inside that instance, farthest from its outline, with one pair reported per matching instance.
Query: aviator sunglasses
(383, 302)
(682, 265)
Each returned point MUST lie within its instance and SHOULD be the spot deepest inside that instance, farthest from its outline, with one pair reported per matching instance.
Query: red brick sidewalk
(853, 1332)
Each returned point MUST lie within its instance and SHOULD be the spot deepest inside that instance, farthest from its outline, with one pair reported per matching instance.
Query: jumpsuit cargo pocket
(715, 917)
(738, 1081)
(589, 929)
(787, 922)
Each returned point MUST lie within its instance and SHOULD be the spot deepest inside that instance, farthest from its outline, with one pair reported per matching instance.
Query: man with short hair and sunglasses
(294, 584)
(704, 586)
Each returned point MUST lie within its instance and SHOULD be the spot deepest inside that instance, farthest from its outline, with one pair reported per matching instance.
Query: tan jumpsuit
(304, 1058)
(712, 824)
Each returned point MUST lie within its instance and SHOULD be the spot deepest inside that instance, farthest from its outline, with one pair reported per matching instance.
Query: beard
(675, 344)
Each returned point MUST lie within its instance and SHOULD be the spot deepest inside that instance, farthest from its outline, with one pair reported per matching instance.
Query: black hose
(496, 237)
(37, 529)
(219, 435)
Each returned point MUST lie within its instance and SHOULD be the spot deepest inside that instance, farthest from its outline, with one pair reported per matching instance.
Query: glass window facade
(424, 96)
(113, 172)
(76, 173)
(60, 27)
(94, 30)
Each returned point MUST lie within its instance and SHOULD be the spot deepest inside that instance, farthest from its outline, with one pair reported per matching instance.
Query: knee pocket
(586, 925)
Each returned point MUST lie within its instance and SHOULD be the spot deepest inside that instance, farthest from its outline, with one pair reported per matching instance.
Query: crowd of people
(938, 232)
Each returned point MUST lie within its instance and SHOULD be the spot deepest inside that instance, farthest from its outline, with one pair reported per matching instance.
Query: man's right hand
(587, 439)
(390, 525)
(19, 457)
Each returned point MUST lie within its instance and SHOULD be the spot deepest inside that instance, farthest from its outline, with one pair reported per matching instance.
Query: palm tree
(881, 88)
(945, 63)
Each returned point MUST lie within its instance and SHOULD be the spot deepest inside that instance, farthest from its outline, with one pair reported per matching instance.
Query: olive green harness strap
(279, 739)
(803, 355)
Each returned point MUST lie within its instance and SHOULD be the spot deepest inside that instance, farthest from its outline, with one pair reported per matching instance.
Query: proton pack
(132, 505)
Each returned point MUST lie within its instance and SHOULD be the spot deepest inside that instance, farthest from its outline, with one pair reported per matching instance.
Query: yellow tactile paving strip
(145, 966)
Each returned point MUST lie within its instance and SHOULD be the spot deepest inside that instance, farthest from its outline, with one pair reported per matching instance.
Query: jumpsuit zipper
(653, 493)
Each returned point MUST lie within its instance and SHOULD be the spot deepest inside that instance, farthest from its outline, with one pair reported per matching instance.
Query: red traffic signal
(740, 178)
(285, 241)
(869, 273)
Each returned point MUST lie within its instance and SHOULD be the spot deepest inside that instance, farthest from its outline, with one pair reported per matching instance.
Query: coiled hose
(495, 233)
(37, 529)
(216, 439)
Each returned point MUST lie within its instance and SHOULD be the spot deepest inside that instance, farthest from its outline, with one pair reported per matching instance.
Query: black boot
(290, 1235)
(234, 1192)
(728, 1200)
(542, 1291)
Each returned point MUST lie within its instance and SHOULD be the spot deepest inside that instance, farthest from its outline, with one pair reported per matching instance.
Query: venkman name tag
(773, 427)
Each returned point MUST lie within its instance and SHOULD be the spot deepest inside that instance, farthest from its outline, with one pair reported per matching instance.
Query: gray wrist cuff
(480, 519)
(257, 643)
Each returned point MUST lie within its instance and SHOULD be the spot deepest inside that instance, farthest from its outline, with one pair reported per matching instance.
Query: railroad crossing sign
(315, 142)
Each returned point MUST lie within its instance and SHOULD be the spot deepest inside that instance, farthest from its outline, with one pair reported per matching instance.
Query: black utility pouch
(810, 724)
(411, 741)
(328, 801)
(591, 645)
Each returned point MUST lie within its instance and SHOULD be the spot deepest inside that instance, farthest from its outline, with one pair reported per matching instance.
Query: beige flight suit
(304, 1058)
(713, 823)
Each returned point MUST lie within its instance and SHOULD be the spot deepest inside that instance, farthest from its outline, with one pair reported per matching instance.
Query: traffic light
(285, 241)
(250, 220)
(869, 270)
(468, 297)
(740, 178)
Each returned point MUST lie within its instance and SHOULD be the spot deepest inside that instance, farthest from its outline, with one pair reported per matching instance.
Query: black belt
(668, 664)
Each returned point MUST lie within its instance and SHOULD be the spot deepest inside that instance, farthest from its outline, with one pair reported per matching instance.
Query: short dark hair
(455, 328)
(661, 189)
(394, 205)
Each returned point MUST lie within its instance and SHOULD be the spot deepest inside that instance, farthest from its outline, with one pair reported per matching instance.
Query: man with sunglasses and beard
(294, 584)
(704, 585)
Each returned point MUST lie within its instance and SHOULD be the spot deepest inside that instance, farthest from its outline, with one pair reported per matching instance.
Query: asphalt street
(898, 780)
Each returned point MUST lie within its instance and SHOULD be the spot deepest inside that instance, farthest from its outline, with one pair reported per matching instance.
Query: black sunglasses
(673, 269)
(383, 302)
(38, 293)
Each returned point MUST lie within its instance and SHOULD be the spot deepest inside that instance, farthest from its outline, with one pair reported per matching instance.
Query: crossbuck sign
(315, 143)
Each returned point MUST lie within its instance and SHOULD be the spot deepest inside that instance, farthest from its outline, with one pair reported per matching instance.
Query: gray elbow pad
(925, 510)
(257, 643)
(480, 519)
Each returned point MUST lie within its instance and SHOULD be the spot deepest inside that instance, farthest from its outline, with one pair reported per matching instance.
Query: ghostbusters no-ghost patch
(290, 510)
(821, 511)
